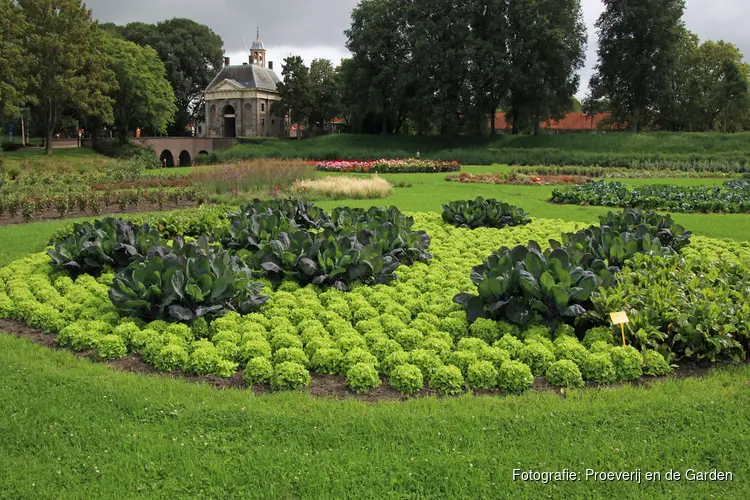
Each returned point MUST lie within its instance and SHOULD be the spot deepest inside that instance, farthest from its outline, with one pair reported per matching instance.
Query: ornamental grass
(345, 188)
(251, 175)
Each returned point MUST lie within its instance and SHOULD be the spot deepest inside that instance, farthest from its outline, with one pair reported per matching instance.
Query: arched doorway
(230, 128)
(167, 160)
(185, 159)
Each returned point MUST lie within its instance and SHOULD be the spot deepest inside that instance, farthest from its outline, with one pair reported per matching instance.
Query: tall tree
(70, 67)
(295, 93)
(732, 97)
(324, 94)
(192, 54)
(638, 42)
(13, 59)
(378, 42)
(144, 97)
(547, 40)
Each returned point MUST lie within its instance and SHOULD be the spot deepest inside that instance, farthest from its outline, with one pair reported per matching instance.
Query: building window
(273, 122)
(263, 107)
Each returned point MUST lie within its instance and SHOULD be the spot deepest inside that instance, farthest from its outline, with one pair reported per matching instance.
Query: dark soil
(6, 220)
(326, 386)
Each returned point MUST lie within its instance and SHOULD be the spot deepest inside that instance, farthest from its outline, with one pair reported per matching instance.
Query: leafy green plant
(537, 357)
(654, 364)
(482, 375)
(448, 380)
(599, 368)
(328, 360)
(406, 379)
(484, 213)
(564, 373)
(185, 282)
(171, 357)
(515, 377)
(516, 283)
(289, 376)
(111, 347)
(257, 370)
(701, 199)
(362, 377)
(107, 243)
(628, 362)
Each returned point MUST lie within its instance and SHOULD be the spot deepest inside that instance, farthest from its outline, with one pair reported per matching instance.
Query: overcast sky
(314, 28)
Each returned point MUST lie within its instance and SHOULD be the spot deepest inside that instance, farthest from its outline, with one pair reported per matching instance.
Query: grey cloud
(296, 23)
(304, 24)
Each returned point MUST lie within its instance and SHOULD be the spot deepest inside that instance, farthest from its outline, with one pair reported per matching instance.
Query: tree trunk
(492, 124)
(50, 126)
(635, 125)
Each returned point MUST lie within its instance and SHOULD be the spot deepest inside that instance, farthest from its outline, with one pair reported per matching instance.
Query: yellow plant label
(618, 318)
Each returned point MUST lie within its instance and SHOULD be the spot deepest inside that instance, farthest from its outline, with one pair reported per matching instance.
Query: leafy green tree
(706, 87)
(547, 40)
(733, 95)
(324, 93)
(13, 60)
(378, 42)
(69, 67)
(638, 42)
(144, 97)
(192, 54)
(295, 92)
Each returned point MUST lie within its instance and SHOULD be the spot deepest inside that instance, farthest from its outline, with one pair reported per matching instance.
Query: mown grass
(76, 429)
(14, 158)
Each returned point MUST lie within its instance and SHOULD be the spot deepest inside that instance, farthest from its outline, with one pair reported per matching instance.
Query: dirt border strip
(324, 386)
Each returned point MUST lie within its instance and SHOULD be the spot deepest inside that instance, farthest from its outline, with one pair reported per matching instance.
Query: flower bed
(516, 178)
(384, 166)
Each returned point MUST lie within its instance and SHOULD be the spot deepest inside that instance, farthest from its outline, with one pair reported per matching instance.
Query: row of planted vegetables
(281, 289)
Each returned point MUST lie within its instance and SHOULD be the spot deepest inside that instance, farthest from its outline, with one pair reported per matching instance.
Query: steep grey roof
(248, 76)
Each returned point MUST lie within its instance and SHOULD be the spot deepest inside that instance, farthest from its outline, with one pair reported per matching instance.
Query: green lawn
(75, 429)
(16, 157)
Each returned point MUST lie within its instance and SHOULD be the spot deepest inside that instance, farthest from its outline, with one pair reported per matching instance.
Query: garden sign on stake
(620, 318)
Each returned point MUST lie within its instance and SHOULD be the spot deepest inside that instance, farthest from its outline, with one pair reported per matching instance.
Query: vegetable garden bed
(346, 313)
(733, 197)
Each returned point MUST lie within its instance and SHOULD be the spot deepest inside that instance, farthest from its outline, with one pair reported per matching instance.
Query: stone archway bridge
(182, 149)
(176, 151)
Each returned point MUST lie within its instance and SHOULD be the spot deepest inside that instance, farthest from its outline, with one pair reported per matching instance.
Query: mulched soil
(7, 220)
(325, 386)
